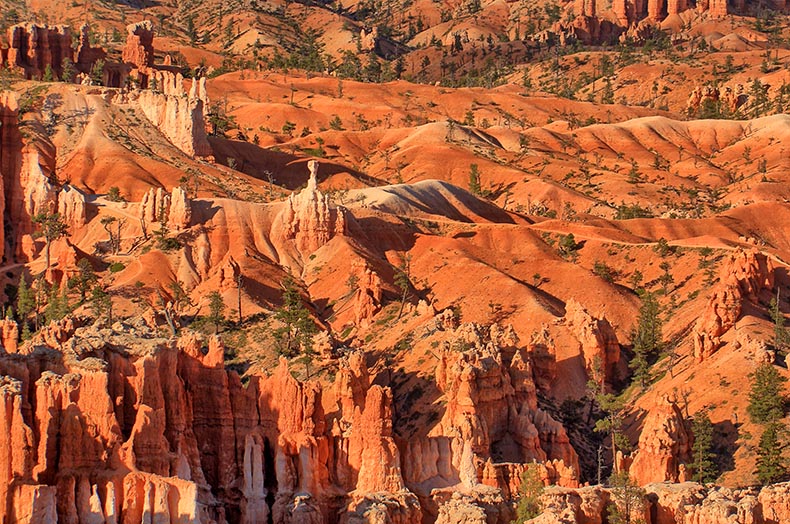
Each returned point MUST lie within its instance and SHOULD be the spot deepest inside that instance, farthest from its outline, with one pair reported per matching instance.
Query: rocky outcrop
(180, 213)
(718, 8)
(9, 335)
(173, 210)
(308, 220)
(368, 295)
(108, 427)
(725, 98)
(26, 189)
(490, 426)
(179, 117)
(664, 446)
(87, 55)
(71, 206)
(139, 48)
(744, 276)
(597, 340)
(668, 503)
(33, 48)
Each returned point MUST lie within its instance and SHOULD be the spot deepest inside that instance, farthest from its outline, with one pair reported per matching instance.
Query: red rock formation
(744, 276)
(656, 10)
(620, 11)
(726, 97)
(367, 297)
(490, 415)
(174, 209)
(34, 47)
(71, 206)
(139, 48)
(718, 8)
(180, 118)
(9, 335)
(664, 444)
(598, 342)
(180, 213)
(675, 7)
(308, 219)
(87, 56)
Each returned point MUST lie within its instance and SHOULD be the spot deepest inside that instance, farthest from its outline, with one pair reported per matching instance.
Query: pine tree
(101, 303)
(56, 309)
(48, 76)
(85, 278)
(67, 71)
(25, 302)
(704, 467)
(531, 489)
(771, 466)
(474, 180)
(781, 335)
(646, 337)
(298, 328)
(628, 500)
(52, 228)
(216, 307)
(612, 423)
(766, 401)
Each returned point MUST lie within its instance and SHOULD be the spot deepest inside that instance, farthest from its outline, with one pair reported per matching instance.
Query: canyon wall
(106, 427)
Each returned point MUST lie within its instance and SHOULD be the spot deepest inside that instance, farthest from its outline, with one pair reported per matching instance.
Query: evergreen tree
(25, 302)
(101, 304)
(298, 328)
(85, 278)
(628, 500)
(52, 228)
(704, 467)
(771, 467)
(612, 423)
(646, 337)
(97, 72)
(57, 306)
(403, 281)
(531, 489)
(766, 401)
(216, 307)
(474, 180)
(67, 71)
(781, 335)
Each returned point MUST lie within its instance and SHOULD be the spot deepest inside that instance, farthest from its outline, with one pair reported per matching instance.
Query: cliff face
(744, 277)
(97, 435)
(33, 48)
(26, 189)
(178, 116)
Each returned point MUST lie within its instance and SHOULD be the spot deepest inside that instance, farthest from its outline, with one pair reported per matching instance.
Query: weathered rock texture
(139, 48)
(744, 277)
(664, 446)
(163, 433)
(490, 428)
(174, 209)
(308, 219)
(667, 503)
(725, 99)
(179, 117)
(33, 48)
(26, 190)
(597, 340)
